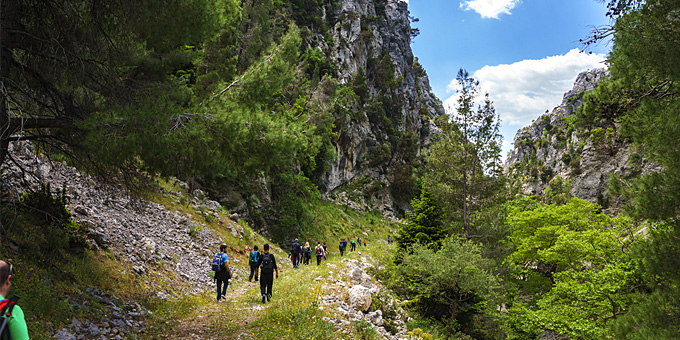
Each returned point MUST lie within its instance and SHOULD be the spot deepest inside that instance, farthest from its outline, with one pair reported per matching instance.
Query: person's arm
(276, 268)
(17, 324)
(226, 264)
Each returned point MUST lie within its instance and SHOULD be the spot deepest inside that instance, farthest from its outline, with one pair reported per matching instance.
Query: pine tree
(423, 224)
(63, 61)
(464, 164)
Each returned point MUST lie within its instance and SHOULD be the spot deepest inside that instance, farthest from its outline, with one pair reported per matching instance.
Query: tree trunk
(7, 15)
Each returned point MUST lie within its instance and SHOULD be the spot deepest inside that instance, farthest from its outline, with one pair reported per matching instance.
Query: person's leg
(263, 286)
(224, 288)
(252, 272)
(257, 269)
(219, 290)
(270, 283)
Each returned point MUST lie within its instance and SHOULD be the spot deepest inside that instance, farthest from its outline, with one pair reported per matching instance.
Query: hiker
(325, 251)
(267, 264)
(353, 245)
(341, 247)
(359, 241)
(389, 239)
(252, 261)
(13, 327)
(222, 271)
(295, 254)
(319, 252)
(307, 253)
(364, 242)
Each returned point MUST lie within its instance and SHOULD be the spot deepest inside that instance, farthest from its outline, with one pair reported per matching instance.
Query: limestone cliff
(553, 147)
(371, 39)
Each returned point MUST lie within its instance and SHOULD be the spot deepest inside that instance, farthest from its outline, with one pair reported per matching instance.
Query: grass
(332, 223)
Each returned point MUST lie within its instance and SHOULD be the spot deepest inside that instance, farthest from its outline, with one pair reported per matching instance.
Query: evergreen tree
(642, 96)
(464, 164)
(423, 224)
(62, 61)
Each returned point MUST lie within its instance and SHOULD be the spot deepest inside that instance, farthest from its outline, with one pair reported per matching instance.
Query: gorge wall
(554, 152)
(392, 124)
(379, 139)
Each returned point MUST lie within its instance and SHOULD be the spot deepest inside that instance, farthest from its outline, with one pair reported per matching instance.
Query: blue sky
(523, 52)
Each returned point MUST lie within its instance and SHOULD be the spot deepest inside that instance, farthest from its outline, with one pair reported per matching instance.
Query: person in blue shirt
(252, 261)
(222, 276)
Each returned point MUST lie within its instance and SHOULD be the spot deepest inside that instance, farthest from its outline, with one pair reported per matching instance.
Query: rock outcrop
(373, 38)
(554, 147)
(350, 298)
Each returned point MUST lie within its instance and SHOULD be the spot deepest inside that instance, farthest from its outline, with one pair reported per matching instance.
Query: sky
(525, 53)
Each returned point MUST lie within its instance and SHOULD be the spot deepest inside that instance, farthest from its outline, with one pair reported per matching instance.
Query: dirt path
(227, 319)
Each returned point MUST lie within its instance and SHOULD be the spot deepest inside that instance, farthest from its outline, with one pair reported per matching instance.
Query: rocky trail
(340, 288)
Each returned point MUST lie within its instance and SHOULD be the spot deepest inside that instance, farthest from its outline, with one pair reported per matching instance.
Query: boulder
(64, 334)
(360, 298)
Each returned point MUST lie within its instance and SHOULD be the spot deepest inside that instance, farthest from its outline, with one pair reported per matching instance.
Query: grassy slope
(49, 285)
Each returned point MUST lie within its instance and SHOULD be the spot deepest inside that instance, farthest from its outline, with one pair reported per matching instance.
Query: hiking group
(299, 253)
(353, 245)
(263, 264)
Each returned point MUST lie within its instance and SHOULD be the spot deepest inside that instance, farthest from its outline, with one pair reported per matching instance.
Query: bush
(46, 225)
(452, 285)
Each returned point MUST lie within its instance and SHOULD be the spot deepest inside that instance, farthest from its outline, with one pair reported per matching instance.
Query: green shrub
(451, 285)
(47, 226)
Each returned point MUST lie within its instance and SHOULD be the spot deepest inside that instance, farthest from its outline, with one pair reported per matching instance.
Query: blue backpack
(253, 256)
(217, 263)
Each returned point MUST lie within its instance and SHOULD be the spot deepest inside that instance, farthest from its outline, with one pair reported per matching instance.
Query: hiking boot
(263, 298)
(256, 279)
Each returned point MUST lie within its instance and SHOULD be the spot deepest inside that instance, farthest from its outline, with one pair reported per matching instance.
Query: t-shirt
(17, 323)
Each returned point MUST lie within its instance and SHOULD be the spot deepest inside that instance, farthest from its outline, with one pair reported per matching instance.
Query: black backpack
(296, 248)
(267, 263)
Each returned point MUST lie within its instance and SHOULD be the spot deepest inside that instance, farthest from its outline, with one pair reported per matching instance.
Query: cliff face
(390, 127)
(554, 147)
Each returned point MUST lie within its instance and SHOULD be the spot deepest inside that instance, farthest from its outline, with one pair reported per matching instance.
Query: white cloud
(524, 90)
(490, 8)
